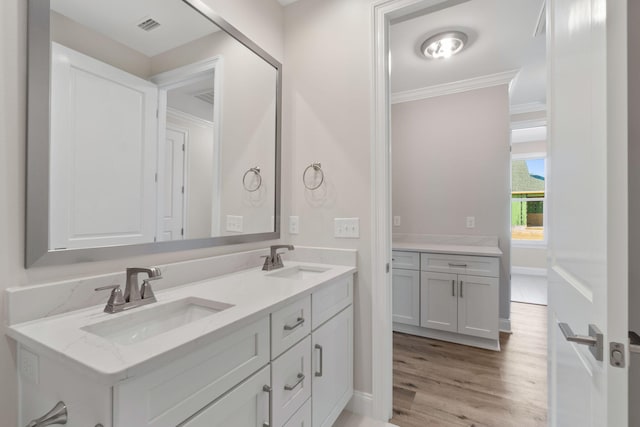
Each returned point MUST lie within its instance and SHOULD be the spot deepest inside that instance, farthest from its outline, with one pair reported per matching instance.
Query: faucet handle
(115, 299)
(146, 292)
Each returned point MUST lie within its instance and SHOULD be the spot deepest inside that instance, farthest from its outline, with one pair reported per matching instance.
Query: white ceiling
(501, 34)
(118, 19)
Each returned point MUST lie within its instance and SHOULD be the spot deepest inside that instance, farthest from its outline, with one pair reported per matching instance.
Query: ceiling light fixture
(444, 45)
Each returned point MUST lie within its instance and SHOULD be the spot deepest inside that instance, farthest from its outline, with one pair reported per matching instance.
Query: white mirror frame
(37, 252)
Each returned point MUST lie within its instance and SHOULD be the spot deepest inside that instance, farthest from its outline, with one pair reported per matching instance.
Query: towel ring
(256, 171)
(317, 167)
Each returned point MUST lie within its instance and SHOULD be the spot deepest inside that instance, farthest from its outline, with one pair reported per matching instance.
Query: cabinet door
(247, 405)
(406, 297)
(332, 382)
(439, 301)
(478, 306)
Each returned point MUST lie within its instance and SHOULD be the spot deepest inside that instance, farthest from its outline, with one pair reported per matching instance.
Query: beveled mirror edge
(36, 250)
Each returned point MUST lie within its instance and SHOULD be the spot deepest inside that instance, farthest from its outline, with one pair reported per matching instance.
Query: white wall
(451, 160)
(327, 118)
(261, 19)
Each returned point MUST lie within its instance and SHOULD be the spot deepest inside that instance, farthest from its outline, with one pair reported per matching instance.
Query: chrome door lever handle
(634, 342)
(56, 416)
(595, 339)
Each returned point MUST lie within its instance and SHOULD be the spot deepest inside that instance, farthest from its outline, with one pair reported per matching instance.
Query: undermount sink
(135, 327)
(299, 272)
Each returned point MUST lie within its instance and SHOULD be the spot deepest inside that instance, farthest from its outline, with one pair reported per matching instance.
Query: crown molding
(529, 107)
(455, 87)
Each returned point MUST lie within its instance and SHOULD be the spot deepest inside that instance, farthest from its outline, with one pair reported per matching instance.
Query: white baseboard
(529, 271)
(505, 325)
(361, 403)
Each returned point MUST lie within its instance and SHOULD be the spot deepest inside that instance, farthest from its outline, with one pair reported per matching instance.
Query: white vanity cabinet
(406, 287)
(458, 299)
(284, 369)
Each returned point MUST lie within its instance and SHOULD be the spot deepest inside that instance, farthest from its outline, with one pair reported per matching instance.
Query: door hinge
(182, 231)
(183, 147)
(388, 267)
(155, 239)
(183, 189)
(156, 177)
(157, 113)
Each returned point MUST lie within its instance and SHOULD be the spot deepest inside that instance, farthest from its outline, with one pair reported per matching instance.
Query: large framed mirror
(153, 126)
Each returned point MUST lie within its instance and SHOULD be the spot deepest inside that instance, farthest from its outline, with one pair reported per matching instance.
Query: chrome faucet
(274, 260)
(134, 295)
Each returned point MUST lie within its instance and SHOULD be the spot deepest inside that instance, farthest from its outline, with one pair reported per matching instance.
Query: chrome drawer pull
(453, 288)
(461, 289)
(457, 265)
(297, 383)
(319, 373)
(299, 322)
(268, 389)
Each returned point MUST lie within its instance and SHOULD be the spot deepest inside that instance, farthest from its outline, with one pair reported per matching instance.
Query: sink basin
(135, 327)
(298, 272)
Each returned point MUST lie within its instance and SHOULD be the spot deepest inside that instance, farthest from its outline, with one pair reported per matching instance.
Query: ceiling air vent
(205, 96)
(148, 24)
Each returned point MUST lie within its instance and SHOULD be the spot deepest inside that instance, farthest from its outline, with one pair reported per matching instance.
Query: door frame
(179, 77)
(383, 11)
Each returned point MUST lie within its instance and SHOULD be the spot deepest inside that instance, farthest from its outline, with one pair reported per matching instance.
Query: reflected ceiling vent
(148, 24)
(205, 96)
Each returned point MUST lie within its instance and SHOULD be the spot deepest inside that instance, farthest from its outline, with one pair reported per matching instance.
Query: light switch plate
(294, 224)
(234, 223)
(397, 220)
(347, 228)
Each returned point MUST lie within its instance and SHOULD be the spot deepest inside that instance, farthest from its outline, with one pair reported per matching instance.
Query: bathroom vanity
(447, 291)
(251, 348)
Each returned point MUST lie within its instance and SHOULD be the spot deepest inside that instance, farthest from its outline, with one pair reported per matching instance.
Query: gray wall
(451, 160)
(634, 204)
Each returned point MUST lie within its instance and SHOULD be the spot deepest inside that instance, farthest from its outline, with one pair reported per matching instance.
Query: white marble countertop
(448, 248)
(253, 294)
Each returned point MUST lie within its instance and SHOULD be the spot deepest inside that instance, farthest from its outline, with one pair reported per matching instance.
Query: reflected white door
(587, 208)
(174, 185)
(103, 153)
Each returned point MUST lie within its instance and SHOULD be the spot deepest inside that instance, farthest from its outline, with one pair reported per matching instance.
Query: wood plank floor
(443, 384)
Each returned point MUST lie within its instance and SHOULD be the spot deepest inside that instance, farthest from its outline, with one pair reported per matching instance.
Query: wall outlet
(347, 228)
(471, 222)
(294, 224)
(29, 366)
(397, 221)
(234, 223)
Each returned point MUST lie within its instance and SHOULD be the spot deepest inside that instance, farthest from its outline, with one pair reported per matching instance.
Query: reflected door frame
(176, 78)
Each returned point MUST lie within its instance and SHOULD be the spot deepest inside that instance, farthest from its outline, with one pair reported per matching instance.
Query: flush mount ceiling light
(444, 45)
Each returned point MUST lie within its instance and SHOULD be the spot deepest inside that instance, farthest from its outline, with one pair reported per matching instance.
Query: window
(528, 199)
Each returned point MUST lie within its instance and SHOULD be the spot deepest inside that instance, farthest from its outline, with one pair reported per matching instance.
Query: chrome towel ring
(317, 168)
(256, 173)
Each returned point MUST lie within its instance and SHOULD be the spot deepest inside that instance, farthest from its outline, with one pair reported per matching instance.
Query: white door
(439, 301)
(478, 306)
(103, 153)
(172, 215)
(332, 368)
(406, 296)
(587, 206)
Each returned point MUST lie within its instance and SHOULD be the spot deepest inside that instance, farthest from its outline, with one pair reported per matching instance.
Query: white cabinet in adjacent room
(439, 301)
(406, 288)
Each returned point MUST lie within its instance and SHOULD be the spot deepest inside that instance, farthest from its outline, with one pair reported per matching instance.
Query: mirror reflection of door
(172, 217)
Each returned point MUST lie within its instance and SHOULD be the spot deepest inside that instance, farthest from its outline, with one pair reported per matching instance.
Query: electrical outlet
(234, 223)
(29, 366)
(471, 222)
(294, 224)
(347, 228)
(397, 221)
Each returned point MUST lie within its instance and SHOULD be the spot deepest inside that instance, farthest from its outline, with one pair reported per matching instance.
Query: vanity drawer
(405, 260)
(464, 264)
(291, 381)
(330, 300)
(171, 394)
(302, 418)
(289, 325)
